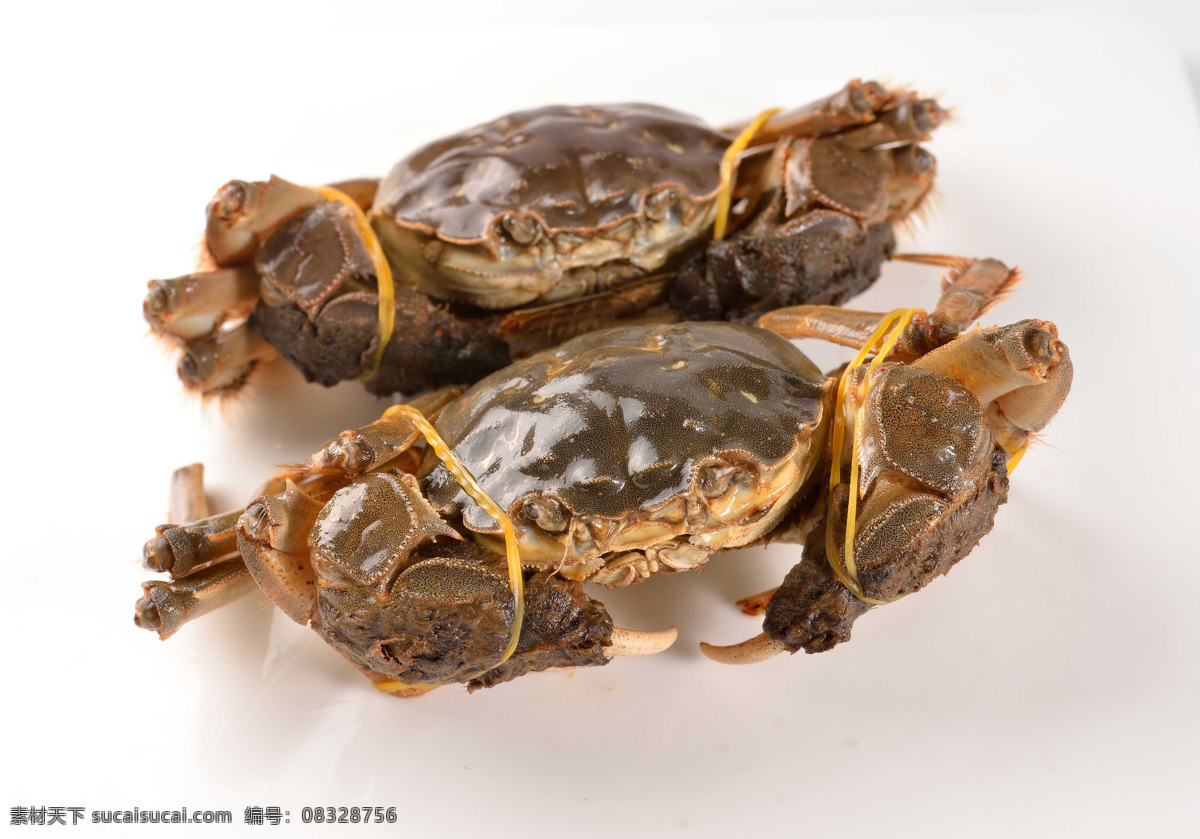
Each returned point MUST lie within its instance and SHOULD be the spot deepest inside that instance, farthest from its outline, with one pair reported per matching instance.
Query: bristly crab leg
(224, 360)
(187, 495)
(194, 305)
(855, 104)
(196, 541)
(969, 289)
(168, 606)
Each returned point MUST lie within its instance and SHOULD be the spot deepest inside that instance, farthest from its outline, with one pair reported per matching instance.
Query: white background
(1048, 686)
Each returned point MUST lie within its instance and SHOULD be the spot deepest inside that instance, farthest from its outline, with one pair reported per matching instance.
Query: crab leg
(243, 213)
(193, 306)
(855, 104)
(756, 604)
(360, 190)
(223, 361)
(910, 120)
(168, 606)
(968, 291)
(541, 326)
(180, 550)
(378, 444)
(187, 495)
(273, 537)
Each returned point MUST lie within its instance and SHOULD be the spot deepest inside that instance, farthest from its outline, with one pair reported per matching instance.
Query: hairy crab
(626, 453)
(543, 224)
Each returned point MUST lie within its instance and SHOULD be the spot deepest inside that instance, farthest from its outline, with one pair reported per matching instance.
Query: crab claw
(627, 642)
(759, 648)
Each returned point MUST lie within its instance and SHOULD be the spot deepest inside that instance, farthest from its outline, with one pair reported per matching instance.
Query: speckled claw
(759, 648)
(634, 642)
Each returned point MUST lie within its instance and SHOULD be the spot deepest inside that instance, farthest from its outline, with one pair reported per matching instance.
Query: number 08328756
(348, 815)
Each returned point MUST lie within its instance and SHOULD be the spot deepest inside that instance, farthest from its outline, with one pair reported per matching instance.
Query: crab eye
(660, 204)
(547, 513)
(524, 230)
(231, 200)
(358, 455)
(714, 480)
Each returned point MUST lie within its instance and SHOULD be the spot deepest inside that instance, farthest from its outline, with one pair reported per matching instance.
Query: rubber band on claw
(516, 580)
(383, 274)
(889, 331)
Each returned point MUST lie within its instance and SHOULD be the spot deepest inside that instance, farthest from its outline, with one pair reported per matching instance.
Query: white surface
(1047, 686)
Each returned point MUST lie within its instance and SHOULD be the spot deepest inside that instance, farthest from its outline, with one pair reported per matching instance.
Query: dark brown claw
(432, 347)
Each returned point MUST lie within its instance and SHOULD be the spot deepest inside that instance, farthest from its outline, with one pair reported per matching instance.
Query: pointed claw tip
(759, 648)
(634, 642)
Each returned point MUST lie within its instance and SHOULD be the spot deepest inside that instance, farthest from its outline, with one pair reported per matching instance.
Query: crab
(449, 541)
(514, 235)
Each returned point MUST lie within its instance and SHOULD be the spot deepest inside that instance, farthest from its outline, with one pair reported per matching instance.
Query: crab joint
(383, 274)
(759, 648)
(516, 580)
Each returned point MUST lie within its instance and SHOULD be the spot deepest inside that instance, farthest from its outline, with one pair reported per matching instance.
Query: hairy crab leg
(909, 120)
(194, 305)
(360, 190)
(223, 361)
(756, 604)
(187, 495)
(855, 104)
(542, 326)
(378, 444)
(243, 213)
(271, 534)
(969, 289)
(166, 607)
(179, 550)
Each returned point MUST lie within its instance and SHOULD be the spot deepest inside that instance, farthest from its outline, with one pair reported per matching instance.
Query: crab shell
(551, 203)
(636, 450)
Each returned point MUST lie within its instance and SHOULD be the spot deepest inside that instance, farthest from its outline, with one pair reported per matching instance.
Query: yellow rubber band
(1016, 456)
(516, 581)
(383, 273)
(889, 331)
(728, 162)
